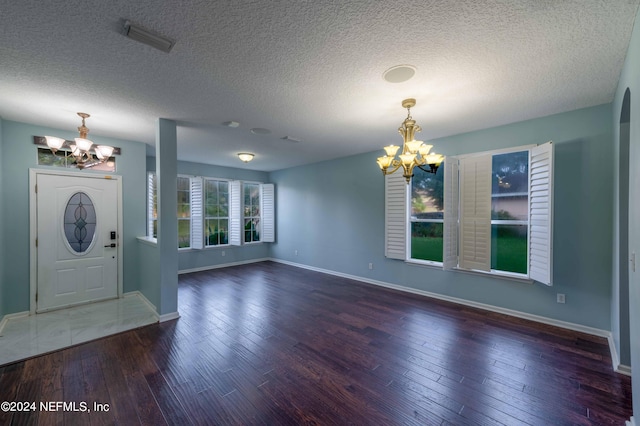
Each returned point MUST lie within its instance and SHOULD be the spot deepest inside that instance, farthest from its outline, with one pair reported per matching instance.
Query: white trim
(33, 227)
(631, 422)
(615, 359)
(532, 317)
(222, 265)
(169, 317)
(8, 317)
(148, 240)
(497, 151)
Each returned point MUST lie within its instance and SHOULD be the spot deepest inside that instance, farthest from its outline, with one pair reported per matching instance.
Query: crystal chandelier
(80, 151)
(414, 153)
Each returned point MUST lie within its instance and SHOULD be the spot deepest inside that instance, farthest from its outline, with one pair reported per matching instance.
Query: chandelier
(80, 151)
(414, 153)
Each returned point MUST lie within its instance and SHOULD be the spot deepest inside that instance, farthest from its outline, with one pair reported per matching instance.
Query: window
(251, 212)
(427, 209)
(63, 158)
(216, 212)
(152, 205)
(509, 211)
(184, 212)
(489, 212)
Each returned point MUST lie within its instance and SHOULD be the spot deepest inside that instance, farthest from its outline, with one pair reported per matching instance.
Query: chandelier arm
(395, 165)
(433, 168)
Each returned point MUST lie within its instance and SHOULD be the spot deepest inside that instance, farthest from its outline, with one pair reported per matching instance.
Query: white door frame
(33, 227)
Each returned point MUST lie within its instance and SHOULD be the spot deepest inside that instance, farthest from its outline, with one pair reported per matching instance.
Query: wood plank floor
(273, 344)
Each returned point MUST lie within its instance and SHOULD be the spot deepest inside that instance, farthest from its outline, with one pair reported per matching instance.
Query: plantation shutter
(197, 206)
(235, 215)
(475, 213)
(541, 213)
(450, 241)
(395, 216)
(267, 212)
(151, 196)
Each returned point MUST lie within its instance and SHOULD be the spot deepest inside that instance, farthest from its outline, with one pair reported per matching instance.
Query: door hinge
(36, 188)
(36, 242)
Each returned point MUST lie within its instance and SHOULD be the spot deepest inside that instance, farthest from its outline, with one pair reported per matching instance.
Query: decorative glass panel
(80, 222)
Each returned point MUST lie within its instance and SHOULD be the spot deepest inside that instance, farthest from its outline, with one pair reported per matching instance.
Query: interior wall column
(167, 177)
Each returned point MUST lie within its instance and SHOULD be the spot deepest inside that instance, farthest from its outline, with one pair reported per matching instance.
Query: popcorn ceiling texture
(311, 70)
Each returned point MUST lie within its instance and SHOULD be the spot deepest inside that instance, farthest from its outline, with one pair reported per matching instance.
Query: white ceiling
(311, 70)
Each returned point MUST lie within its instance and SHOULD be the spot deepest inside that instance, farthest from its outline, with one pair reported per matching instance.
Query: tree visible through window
(510, 211)
(251, 193)
(216, 220)
(427, 209)
(184, 212)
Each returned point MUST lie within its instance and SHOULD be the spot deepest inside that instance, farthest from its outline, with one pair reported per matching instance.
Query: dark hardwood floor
(273, 344)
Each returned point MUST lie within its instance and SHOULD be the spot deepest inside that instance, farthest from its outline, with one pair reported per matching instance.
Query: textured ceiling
(311, 70)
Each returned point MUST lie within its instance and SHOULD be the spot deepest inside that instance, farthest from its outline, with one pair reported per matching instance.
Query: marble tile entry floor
(30, 335)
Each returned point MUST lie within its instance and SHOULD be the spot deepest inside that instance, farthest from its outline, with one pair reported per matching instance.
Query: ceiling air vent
(142, 35)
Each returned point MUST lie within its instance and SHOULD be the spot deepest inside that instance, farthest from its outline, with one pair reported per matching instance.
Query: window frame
(204, 211)
(409, 251)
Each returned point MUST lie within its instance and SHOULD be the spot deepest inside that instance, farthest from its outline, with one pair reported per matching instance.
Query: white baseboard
(631, 422)
(222, 265)
(168, 317)
(623, 369)
(8, 317)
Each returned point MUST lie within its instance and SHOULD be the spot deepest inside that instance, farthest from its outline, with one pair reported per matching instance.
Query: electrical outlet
(223, 253)
(370, 265)
(295, 252)
(560, 298)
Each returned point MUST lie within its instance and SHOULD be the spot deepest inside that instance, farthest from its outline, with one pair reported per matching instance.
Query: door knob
(112, 245)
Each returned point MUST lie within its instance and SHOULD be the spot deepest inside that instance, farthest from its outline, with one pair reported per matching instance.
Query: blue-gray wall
(19, 154)
(209, 257)
(630, 79)
(332, 213)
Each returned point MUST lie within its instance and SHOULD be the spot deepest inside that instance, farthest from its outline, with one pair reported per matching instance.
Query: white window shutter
(235, 215)
(541, 213)
(475, 213)
(267, 211)
(395, 216)
(151, 192)
(450, 241)
(197, 206)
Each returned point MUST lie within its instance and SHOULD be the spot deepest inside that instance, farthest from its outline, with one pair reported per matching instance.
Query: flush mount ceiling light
(414, 153)
(245, 156)
(233, 124)
(79, 151)
(137, 33)
(399, 73)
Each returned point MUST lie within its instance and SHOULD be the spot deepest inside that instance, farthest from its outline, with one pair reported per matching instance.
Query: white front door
(77, 223)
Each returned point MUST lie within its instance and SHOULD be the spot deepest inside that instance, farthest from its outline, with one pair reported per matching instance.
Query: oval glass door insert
(80, 222)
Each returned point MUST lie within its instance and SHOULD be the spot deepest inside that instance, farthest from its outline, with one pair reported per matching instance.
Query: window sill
(500, 275)
(424, 263)
(150, 241)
